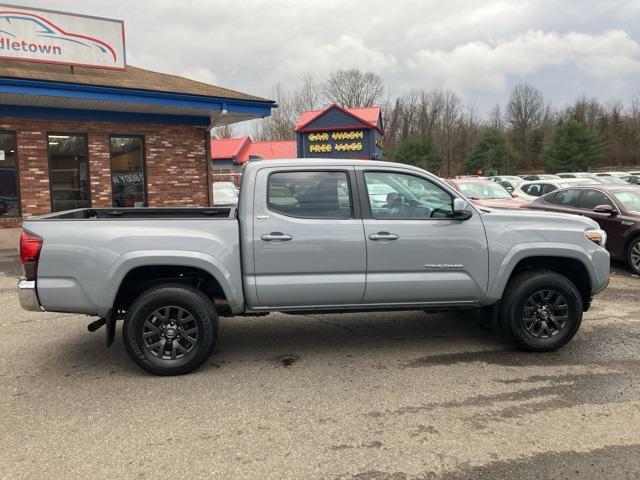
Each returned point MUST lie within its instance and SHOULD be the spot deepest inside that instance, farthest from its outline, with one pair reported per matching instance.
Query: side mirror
(461, 209)
(606, 209)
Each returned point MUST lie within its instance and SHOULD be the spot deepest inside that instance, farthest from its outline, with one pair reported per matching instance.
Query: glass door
(68, 172)
(9, 192)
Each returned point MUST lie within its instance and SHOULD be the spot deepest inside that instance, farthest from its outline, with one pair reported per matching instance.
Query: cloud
(487, 65)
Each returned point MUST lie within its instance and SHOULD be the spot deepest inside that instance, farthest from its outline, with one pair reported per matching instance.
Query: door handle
(276, 237)
(383, 236)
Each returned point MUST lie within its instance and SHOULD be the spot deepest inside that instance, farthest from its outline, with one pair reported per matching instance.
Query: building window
(127, 172)
(9, 193)
(68, 172)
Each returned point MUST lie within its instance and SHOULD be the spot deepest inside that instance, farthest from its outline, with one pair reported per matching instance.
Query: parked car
(509, 182)
(168, 273)
(529, 191)
(485, 193)
(576, 175)
(615, 208)
(540, 176)
(611, 180)
(612, 174)
(632, 179)
(224, 194)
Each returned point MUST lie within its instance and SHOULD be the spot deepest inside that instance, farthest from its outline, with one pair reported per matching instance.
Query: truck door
(416, 251)
(308, 240)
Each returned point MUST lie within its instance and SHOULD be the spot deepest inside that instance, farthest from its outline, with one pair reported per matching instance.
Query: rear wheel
(633, 255)
(170, 329)
(541, 311)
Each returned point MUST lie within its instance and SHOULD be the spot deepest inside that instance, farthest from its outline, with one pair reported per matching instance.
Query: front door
(309, 247)
(416, 251)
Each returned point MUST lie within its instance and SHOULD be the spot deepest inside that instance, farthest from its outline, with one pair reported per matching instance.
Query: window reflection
(68, 172)
(9, 194)
(127, 172)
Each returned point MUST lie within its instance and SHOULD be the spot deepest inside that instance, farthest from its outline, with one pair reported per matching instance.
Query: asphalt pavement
(347, 396)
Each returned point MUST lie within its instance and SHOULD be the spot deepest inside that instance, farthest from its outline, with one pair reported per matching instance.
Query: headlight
(597, 236)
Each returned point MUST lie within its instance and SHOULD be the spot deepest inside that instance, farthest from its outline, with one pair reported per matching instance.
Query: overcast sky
(476, 48)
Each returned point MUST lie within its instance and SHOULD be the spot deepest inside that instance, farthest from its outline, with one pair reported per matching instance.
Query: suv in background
(529, 191)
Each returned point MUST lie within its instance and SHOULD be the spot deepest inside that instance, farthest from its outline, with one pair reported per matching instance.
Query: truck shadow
(283, 340)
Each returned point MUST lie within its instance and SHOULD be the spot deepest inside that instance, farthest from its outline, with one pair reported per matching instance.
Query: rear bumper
(28, 296)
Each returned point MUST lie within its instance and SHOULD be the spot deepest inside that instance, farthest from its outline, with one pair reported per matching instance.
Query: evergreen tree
(419, 151)
(492, 154)
(572, 148)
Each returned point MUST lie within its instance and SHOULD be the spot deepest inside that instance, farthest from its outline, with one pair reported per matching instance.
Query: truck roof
(325, 162)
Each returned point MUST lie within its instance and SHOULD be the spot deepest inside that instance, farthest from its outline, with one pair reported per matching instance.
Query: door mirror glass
(606, 209)
(461, 209)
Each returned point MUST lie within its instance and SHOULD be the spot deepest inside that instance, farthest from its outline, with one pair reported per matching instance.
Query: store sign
(56, 37)
(131, 178)
(342, 141)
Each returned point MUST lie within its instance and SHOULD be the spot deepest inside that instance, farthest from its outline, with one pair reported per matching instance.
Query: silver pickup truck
(312, 236)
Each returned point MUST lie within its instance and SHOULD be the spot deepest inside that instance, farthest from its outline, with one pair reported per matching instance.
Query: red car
(486, 193)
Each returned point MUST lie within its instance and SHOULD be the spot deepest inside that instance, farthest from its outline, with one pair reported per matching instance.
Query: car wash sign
(56, 37)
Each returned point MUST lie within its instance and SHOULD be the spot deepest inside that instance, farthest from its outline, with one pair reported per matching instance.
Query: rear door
(416, 251)
(309, 247)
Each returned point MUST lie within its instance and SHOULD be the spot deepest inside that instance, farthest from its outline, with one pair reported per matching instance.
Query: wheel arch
(572, 263)
(138, 271)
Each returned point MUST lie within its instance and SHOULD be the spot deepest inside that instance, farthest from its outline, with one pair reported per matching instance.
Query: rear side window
(548, 188)
(310, 194)
(593, 198)
(566, 198)
(533, 190)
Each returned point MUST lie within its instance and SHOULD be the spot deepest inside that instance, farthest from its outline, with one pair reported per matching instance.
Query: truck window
(310, 194)
(395, 195)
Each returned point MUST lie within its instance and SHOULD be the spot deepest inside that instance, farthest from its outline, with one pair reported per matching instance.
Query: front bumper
(28, 296)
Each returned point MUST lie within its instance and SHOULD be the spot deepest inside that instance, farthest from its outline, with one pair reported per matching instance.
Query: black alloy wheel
(170, 329)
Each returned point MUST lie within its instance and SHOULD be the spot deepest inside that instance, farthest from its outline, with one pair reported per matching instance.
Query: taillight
(30, 246)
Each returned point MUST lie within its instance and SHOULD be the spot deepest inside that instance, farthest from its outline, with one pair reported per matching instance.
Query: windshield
(630, 200)
(481, 191)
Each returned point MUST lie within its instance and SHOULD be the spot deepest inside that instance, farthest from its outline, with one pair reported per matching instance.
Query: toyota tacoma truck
(311, 236)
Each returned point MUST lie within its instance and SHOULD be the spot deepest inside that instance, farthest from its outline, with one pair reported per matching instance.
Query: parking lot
(349, 396)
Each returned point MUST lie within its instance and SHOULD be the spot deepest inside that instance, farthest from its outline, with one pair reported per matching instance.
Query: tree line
(437, 130)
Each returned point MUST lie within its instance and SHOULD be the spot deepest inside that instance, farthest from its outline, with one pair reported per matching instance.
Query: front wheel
(541, 311)
(170, 329)
(633, 255)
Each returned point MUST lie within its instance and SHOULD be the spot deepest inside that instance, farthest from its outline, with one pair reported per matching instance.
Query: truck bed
(86, 253)
(139, 213)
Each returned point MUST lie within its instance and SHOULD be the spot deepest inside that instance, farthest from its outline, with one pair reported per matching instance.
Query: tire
(532, 313)
(633, 255)
(165, 348)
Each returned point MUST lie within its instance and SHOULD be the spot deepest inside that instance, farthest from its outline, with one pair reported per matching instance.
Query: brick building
(73, 137)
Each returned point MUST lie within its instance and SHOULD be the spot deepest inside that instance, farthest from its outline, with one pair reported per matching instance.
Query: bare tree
(308, 95)
(280, 125)
(352, 88)
(225, 131)
(524, 117)
(496, 118)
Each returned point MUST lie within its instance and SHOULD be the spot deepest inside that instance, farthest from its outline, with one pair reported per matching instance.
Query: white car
(612, 174)
(529, 191)
(224, 193)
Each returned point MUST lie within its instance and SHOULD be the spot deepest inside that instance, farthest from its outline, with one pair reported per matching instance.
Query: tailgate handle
(276, 237)
(383, 236)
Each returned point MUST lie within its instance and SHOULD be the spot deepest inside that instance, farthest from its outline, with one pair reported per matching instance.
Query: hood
(536, 218)
(499, 202)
